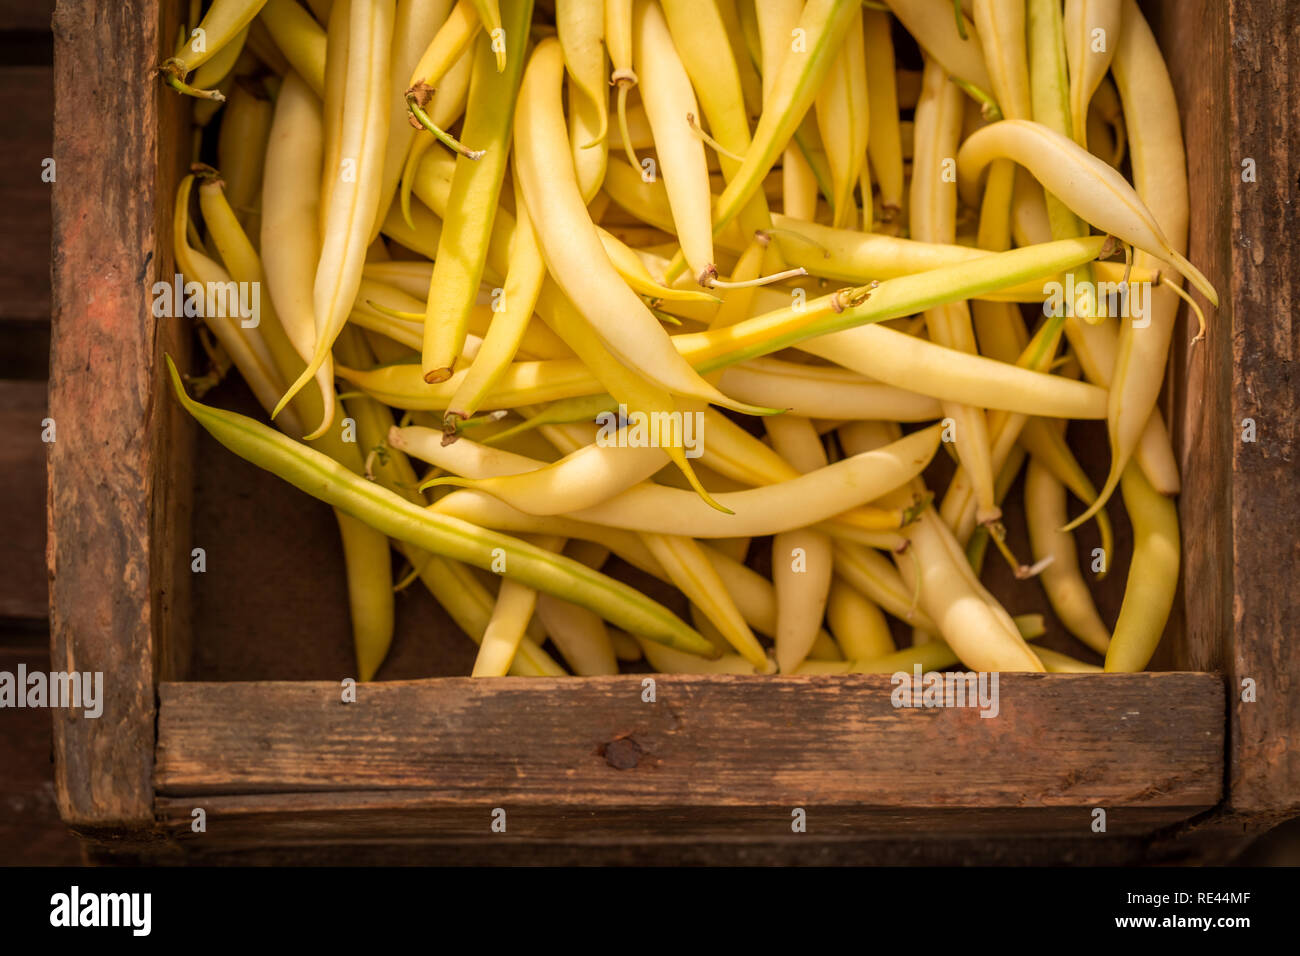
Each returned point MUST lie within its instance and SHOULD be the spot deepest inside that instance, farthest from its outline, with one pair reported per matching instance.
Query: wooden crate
(223, 688)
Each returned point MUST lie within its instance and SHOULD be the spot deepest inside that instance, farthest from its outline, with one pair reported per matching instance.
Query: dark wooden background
(30, 829)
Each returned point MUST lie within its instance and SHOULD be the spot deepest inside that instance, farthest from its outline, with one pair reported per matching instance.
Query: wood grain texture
(412, 820)
(26, 101)
(1234, 67)
(110, 488)
(1194, 36)
(1264, 761)
(24, 586)
(714, 755)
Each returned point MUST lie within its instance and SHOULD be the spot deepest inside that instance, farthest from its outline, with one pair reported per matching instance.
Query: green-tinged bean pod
(475, 194)
(325, 479)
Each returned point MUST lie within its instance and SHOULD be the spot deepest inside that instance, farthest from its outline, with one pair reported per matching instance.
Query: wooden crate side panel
(1149, 746)
(172, 429)
(1234, 67)
(102, 499)
(1194, 36)
(414, 818)
(1264, 762)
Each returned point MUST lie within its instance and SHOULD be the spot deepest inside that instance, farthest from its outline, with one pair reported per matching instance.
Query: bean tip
(172, 72)
(419, 94)
(451, 428)
(207, 175)
(1025, 572)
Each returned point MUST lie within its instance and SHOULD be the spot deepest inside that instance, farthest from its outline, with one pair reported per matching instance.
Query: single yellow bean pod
(1065, 587)
(475, 194)
(858, 624)
(843, 113)
(571, 247)
(802, 561)
(1092, 30)
(354, 185)
(225, 22)
(1087, 185)
(300, 38)
(1153, 574)
(933, 25)
(580, 636)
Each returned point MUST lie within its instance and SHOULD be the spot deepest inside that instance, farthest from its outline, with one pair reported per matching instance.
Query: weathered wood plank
(26, 102)
(1195, 35)
(1264, 766)
(412, 819)
(1240, 497)
(1132, 744)
(24, 585)
(112, 502)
